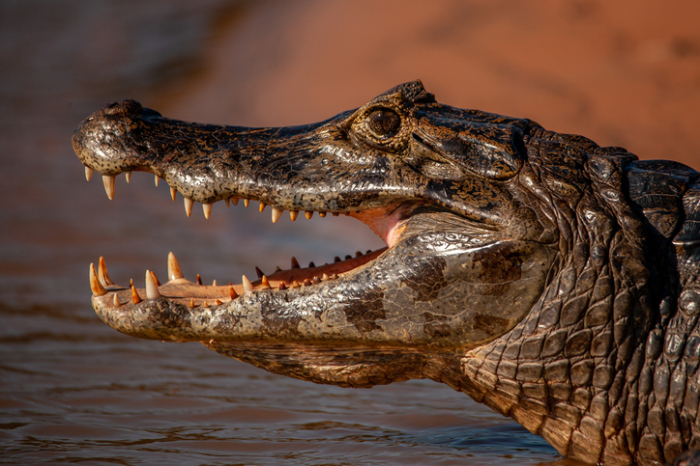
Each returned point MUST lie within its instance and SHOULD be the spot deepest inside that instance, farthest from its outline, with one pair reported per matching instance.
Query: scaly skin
(545, 276)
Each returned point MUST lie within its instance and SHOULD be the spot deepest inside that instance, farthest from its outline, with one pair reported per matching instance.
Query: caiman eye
(384, 123)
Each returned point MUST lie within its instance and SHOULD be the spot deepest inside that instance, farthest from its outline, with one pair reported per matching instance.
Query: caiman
(551, 279)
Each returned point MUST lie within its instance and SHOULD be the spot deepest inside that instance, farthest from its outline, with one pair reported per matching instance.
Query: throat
(386, 222)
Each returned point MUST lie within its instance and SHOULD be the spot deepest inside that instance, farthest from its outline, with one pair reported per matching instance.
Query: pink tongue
(387, 227)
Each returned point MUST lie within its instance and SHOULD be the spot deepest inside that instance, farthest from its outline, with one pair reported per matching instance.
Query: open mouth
(387, 222)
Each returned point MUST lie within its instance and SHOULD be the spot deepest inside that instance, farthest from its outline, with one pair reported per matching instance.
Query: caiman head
(496, 279)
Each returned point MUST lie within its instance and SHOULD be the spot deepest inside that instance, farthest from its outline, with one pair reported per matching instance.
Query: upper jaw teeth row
(108, 181)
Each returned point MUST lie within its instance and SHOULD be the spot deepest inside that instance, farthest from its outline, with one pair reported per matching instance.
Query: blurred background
(623, 73)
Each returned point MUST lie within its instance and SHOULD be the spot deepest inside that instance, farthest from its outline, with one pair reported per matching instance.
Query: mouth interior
(387, 222)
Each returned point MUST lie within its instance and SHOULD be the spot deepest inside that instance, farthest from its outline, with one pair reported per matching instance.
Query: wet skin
(545, 276)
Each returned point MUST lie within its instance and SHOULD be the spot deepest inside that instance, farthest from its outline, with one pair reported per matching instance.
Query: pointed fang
(174, 271)
(116, 301)
(188, 206)
(157, 180)
(276, 214)
(265, 283)
(234, 200)
(95, 285)
(108, 182)
(206, 207)
(151, 286)
(293, 214)
(127, 175)
(259, 272)
(282, 286)
(173, 193)
(199, 279)
(308, 214)
(228, 202)
(88, 173)
(321, 214)
(135, 298)
(232, 292)
(295, 263)
(262, 206)
(246, 202)
(247, 286)
(102, 273)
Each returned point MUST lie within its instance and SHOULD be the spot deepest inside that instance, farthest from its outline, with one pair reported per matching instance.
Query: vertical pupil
(384, 122)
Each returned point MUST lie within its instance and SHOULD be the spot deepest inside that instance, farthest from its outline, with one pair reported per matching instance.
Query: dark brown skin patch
(363, 313)
(432, 280)
(499, 265)
(490, 324)
(435, 325)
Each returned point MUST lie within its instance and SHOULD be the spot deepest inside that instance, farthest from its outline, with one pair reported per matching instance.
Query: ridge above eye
(384, 122)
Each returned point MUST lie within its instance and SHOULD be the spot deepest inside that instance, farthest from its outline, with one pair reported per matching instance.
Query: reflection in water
(72, 389)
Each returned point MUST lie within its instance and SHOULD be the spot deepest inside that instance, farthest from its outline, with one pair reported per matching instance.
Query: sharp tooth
(276, 214)
(95, 285)
(205, 303)
(247, 286)
(282, 286)
(213, 283)
(358, 254)
(127, 175)
(293, 214)
(335, 214)
(232, 292)
(348, 257)
(108, 181)
(277, 269)
(135, 298)
(102, 273)
(336, 259)
(188, 206)
(308, 214)
(262, 206)
(259, 272)
(295, 263)
(234, 200)
(311, 264)
(316, 279)
(228, 202)
(192, 305)
(151, 286)
(265, 283)
(295, 284)
(218, 302)
(199, 280)
(306, 282)
(174, 271)
(157, 180)
(246, 202)
(206, 207)
(173, 192)
(88, 173)
(325, 277)
(368, 251)
(321, 214)
(116, 301)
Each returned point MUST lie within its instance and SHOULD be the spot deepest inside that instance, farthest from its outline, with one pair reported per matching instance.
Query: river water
(74, 391)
